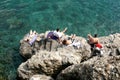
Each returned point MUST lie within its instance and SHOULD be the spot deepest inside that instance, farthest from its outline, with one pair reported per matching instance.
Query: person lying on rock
(56, 35)
(31, 37)
(72, 42)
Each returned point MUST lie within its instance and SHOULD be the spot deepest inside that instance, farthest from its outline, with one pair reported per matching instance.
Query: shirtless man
(92, 40)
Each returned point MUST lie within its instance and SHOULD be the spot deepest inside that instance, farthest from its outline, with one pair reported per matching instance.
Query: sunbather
(31, 37)
(56, 35)
(72, 42)
(92, 40)
(96, 46)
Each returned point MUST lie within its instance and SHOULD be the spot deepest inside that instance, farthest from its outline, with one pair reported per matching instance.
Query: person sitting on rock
(98, 49)
(96, 46)
(92, 40)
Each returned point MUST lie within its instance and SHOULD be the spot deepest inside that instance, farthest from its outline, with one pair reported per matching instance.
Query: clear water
(81, 17)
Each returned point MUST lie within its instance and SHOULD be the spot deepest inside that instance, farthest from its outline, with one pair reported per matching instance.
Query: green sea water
(18, 17)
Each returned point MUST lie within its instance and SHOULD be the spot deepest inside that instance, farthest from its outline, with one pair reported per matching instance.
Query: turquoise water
(81, 17)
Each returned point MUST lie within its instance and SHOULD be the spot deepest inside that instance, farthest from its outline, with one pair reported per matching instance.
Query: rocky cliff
(52, 61)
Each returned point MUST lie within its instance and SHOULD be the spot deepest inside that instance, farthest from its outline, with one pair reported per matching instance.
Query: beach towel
(33, 39)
